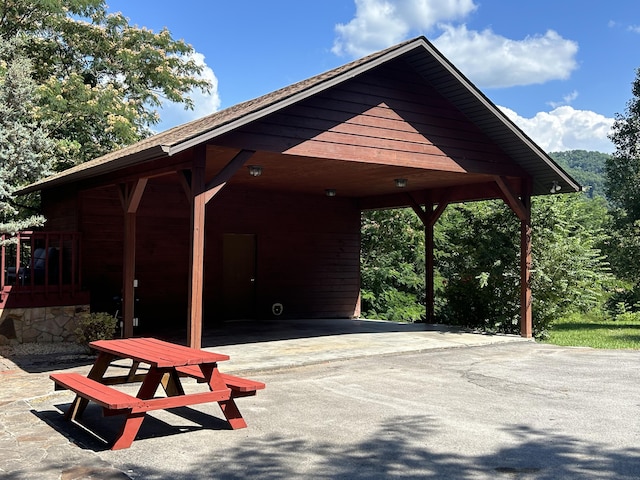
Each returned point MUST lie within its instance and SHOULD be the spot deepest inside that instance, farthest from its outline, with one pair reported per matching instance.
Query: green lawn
(585, 331)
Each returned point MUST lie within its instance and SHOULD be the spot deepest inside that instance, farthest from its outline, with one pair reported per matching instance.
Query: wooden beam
(423, 215)
(429, 216)
(512, 199)
(453, 194)
(437, 213)
(214, 186)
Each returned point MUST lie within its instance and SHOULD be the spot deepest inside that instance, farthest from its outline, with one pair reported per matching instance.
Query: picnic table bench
(167, 363)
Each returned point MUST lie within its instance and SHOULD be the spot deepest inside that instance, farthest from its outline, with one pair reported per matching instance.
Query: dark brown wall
(60, 210)
(307, 251)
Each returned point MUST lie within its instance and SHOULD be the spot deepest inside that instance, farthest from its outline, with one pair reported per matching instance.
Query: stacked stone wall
(39, 324)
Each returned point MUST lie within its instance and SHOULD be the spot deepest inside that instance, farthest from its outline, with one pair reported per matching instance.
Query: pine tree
(25, 148)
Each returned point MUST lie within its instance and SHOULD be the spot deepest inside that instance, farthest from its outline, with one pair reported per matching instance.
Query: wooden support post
(522, 208)
(429, 267)
(429, 217)
(201, 194)
(128, 274)
(131, 195)
(196, 257)
(526, 316)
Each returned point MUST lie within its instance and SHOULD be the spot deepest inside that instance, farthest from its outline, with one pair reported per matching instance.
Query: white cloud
(491, 60)
(566, 100)
(565, 128)
(172, 114)
(488, 59)
(381, 23)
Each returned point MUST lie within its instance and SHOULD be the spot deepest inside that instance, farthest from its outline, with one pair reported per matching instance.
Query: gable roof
(419, 53)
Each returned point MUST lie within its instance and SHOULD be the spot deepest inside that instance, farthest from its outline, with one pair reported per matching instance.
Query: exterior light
(330, 192)
(555, 187)
(401, 182)
(255, 170)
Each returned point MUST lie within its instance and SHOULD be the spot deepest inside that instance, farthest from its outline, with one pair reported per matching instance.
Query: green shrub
(628, 318)
(622, 300)
(95, 326)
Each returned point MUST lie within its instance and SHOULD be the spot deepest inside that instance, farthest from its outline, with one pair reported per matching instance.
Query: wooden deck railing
(40, 269)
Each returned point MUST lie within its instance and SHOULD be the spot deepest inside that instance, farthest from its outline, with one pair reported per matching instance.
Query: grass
(589, 331)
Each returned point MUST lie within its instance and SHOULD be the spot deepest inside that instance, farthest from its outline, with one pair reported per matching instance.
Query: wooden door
(239, 275)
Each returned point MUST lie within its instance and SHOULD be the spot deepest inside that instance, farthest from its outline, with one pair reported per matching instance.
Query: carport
(259, 204)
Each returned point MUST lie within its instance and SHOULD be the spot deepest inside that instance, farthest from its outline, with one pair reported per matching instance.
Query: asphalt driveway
(508, 410)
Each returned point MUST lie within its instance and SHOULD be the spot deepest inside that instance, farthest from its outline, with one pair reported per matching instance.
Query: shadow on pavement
(394, 451)
(96, 432)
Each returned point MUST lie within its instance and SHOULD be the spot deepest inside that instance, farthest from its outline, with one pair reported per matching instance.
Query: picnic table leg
(133, 420)
(132, 371)
(228, 407)
(96, 373)
(232, 414)
(150, 384)
(129, 430)
(171, 384)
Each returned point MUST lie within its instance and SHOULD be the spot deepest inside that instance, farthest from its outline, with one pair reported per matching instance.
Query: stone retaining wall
(40, 324)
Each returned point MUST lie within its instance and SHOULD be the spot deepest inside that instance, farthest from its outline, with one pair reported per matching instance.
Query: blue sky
(561, 69)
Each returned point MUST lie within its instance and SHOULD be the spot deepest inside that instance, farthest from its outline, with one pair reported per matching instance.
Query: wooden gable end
(389, 116)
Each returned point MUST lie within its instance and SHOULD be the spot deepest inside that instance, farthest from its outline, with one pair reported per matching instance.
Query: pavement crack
(496, 384)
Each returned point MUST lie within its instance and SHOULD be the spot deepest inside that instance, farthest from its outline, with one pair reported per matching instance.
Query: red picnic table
(167, 363)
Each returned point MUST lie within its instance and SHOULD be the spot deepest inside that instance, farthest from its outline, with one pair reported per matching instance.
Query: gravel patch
(41, 349)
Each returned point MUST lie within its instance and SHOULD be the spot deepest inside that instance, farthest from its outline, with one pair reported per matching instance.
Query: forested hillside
(586, 167)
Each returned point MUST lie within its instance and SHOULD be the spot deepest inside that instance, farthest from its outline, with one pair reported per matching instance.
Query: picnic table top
(156, 352)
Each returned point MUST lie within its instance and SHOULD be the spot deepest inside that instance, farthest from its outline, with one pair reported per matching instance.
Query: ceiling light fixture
(330, 192)
(255, 170)
(401, 182)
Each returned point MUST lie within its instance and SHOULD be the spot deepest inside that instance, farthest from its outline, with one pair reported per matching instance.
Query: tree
(570, 272)
(392, 265)
(478, 258)
(623, 168)
(100, 80)
(477, 276)
(623, 189)
(26, 151)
